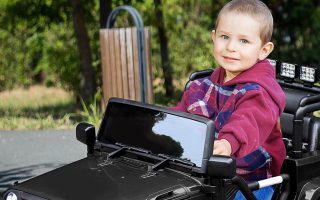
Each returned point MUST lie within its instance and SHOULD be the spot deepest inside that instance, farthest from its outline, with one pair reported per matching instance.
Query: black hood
(97, 178)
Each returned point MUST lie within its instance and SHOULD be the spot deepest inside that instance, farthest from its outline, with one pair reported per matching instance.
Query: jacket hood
(262, 73)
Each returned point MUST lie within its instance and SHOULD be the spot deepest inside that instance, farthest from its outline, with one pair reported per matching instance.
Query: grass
(39, 107)
(36, 107)
(91, 113)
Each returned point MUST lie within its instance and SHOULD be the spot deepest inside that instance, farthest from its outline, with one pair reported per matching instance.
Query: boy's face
(237, 43)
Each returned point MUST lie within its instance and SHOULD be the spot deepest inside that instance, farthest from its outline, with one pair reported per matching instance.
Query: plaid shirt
(254, 166)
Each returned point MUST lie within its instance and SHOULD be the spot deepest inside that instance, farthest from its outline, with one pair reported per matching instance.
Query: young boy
(242, 96)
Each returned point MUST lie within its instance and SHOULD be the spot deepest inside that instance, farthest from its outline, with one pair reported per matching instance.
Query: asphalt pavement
(25, 154)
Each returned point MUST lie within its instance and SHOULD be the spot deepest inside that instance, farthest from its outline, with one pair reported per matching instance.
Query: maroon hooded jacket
(246, 113)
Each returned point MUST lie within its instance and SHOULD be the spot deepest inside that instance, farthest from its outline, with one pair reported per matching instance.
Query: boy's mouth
(230, 58)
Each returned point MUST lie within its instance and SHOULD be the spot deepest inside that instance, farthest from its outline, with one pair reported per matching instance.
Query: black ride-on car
(144, 151)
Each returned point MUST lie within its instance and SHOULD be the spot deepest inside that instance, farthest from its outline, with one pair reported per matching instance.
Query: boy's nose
(231, 45)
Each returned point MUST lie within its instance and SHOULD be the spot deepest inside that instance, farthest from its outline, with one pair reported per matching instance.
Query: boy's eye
(244, 41)
(225, 37)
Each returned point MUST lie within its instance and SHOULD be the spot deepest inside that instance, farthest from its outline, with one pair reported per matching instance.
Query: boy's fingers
(217, 149)
(222, 147)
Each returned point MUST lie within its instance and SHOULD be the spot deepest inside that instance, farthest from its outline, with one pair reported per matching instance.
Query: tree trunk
(166, 66)
(88, 80)
(105, 10)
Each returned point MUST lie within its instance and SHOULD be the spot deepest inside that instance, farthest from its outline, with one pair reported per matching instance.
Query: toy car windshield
(159, 131)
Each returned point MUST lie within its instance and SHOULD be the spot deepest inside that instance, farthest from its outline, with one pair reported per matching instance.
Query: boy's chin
(237, 67)
(232, 68)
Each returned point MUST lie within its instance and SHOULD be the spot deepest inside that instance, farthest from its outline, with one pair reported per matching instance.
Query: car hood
(99, 178)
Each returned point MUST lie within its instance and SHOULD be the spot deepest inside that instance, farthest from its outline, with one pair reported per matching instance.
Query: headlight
(308, 74)
(273, 62)
(288, 70)
(11, 196)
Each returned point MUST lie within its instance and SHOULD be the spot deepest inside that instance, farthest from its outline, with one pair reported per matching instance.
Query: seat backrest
(197, 75)
(296, 94)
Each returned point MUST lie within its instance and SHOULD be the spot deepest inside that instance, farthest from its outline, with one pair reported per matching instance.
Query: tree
(105, 10)
(87, 82)
(166, 66)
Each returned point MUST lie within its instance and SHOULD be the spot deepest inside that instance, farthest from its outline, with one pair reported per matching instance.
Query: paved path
(25, 154)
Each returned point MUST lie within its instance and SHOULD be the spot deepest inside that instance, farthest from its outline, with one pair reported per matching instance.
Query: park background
(50, 56)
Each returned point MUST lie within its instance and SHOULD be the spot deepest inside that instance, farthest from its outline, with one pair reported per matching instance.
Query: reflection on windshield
(160, 132)
(188, 133)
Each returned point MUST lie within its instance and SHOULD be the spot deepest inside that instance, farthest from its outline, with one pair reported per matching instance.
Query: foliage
(36, 43)
(295, 34)
(188, 26)
(91, 113)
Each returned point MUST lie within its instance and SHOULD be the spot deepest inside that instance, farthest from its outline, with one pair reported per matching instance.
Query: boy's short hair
(254, 8)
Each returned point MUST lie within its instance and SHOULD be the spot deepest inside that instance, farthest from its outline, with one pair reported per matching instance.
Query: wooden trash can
(120, 64)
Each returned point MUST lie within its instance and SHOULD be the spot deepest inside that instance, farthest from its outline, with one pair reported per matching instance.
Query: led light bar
(308, 74)
(288, 70)
(273, 62)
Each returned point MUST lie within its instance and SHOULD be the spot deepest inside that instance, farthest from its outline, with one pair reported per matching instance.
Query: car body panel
(97, 177)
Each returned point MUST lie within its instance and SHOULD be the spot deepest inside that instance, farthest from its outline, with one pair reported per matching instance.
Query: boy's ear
(266, 50)
(213, 34)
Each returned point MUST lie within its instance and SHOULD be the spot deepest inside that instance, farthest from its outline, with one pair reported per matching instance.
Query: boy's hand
(222, 147)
